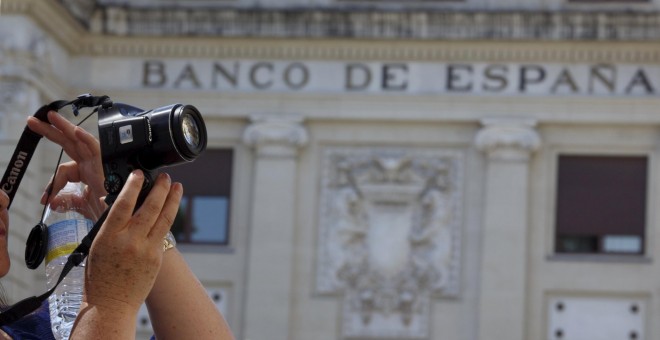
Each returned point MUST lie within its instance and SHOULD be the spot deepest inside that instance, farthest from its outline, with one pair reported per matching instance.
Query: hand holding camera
(85, 152)
(126, 260)
(130, 139)
(127, 253)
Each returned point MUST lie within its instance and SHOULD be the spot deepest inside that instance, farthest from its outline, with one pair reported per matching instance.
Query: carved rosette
(276, 136)
(508, 139)
(389, 234)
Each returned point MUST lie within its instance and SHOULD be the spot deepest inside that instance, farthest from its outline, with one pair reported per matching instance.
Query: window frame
(551, 193)
(188, 207)
(618, 2)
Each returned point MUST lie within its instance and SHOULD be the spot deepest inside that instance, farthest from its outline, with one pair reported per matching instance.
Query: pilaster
(508, 145)
(277, 141)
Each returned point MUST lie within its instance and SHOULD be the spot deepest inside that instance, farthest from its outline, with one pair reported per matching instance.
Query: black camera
(132, 138)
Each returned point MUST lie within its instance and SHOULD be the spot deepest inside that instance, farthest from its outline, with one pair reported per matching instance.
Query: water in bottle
(66, 228)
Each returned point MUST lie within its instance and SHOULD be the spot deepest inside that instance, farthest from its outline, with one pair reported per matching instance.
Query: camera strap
(23, 153)
(38, 239)
(29, 139)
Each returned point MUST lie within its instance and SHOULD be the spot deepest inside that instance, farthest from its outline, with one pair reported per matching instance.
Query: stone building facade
(462, 170)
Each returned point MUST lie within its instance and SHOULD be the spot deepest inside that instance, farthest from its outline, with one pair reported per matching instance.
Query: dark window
(204, 214)
(601, 204)
(610, 1)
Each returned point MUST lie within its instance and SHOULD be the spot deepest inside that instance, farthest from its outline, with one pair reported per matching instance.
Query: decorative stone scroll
(276, 136)
(512, 139)
(389, 236)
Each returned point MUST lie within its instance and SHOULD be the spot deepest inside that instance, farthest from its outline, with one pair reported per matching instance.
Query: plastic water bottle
(66, 228)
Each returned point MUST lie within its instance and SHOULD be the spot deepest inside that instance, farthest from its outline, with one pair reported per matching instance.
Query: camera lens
(190, 131)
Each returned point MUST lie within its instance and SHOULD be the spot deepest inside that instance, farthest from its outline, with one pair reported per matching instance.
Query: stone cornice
(52, 16)
(73, 18)
(350, 21)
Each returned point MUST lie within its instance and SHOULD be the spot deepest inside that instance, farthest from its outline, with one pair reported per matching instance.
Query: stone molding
(376, 50)
(276, 136)
(508, 139)
(389, 236)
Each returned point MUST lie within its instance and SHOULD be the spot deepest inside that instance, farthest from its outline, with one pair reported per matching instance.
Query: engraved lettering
(289, 78)
(153, 74)
(597, 74)
(530, 74)
(392, 73)
(362, 71)
(459, 81)
(640, 79)
(231, 78)
(565, 79)
(254, 80)
(496, 80)
(187, 75)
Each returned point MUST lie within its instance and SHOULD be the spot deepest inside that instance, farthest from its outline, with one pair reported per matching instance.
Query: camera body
(132, 138)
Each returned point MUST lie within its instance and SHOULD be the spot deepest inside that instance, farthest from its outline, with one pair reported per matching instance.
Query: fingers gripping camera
(147, 140)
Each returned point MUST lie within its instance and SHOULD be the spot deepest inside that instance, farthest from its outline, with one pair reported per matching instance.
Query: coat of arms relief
(389, 236)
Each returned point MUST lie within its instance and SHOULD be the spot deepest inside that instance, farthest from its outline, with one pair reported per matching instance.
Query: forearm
(99, 322)
(179, 306)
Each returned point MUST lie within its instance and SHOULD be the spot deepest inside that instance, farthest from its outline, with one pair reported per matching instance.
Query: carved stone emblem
(389, 235)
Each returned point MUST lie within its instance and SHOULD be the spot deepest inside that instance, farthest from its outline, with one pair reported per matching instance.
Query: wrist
(96, 321)
(110, 298)
(109, 306)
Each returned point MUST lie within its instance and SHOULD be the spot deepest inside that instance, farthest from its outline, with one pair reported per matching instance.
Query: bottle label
(64, 237)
